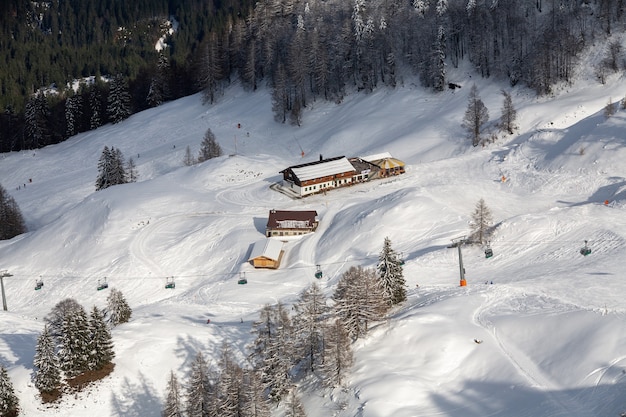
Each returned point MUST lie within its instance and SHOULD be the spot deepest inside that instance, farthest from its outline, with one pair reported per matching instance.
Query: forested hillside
(304, 49)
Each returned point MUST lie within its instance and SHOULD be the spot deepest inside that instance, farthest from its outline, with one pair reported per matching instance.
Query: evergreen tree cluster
(313, 338)
(11, 220)
(114, 170)
(302, 50)
(72, 343)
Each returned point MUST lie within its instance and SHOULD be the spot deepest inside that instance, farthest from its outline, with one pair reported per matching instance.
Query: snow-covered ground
(551, 321)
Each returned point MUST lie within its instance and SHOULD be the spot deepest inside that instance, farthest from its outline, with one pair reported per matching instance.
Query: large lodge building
(319, 176)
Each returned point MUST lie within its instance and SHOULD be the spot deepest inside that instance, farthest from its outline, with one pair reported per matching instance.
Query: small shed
(266, 253)
(291, 222)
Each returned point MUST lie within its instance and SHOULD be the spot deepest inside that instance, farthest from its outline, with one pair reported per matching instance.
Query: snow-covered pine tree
(75, 344)
(173, 401)
(481, 223)
(337, 354)
(111, 170)
(439, 60)
(309, 327)
(48, 373)
(63, 309)
(254, 402)
(118, 167)
(359, 300)
(209, 148)
(36, 116)
(9, 403)
(117, 308)
(101, 348)
(390, 275)
(199, 389)
(11, 220)
(104, 169)
(73, 114)
(272, 352)
(229, 384)
(119, 105)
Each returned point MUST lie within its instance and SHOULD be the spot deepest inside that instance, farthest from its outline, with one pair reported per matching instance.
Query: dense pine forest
(303, 50)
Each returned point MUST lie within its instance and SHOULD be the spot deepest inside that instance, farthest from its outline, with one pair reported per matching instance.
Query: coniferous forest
(302, 50)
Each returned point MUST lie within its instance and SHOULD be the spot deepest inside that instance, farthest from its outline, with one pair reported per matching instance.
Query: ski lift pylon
(169, 283)
(102, 284)
(585, 250)
(242, 278)
(318, 272)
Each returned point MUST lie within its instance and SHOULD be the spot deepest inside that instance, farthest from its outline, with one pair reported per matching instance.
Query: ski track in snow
(564, 404)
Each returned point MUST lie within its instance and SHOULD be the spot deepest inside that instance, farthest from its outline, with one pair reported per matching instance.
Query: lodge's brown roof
(277, 216)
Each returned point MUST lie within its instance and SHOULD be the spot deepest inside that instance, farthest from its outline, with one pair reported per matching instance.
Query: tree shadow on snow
(480, 398)
(137, 399)
(610, 192)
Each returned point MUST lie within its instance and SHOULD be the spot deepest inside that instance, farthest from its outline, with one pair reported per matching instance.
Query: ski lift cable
(77, 276)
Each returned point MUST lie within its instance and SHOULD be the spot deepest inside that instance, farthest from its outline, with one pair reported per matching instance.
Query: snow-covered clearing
(551, 321)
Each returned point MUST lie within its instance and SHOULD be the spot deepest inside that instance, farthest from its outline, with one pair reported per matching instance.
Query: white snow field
(551, 322)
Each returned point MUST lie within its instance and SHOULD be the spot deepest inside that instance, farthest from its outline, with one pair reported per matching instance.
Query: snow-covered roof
(267, 248)
(323, 169)
(377, 157)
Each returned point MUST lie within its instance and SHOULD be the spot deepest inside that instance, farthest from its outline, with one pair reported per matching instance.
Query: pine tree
(131, 171)
(229, 385)
(273, 350)
(476, 115)
(310, 313)
(11, 220)
(359, 300)
(73, 114)
(481, 224)
(111, 170)
(210, 69)
(104, 170)
(337, 354)
(254, 401)
(75, 344)
(117, 308)
(159, 86)
(101, 344)
(48, 375)
(294, 407)
(173, 402)
(188, 160)
(119, 101)
(95, 121)
(509, 114)
(9, 403)
(60, 312)
(36, 117)
(390, 275)
(209, 148)
(199, 389)
(439, 57)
